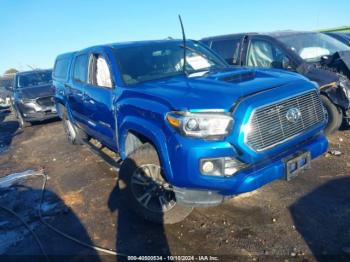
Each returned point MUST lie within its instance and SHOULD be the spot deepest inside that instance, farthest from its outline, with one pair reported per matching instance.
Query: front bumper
(39, 113)
(39, 116)
(184, 161)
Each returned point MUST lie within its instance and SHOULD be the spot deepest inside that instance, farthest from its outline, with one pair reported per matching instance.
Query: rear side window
(80, 68)
(228, 49)
(61, 68)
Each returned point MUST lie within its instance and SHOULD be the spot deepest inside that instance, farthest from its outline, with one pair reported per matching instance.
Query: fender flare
(150, 131)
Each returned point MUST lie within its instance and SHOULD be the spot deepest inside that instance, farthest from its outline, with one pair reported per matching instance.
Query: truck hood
(36, 91)
(218, 90)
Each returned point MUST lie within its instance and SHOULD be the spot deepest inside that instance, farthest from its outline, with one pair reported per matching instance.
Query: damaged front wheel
(147, 192)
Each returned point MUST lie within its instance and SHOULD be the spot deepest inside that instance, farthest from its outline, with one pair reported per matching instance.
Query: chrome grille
(45, 101)
(269, 125)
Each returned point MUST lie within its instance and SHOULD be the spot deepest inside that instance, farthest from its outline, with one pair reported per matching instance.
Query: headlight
(202, 125)
(30, 103)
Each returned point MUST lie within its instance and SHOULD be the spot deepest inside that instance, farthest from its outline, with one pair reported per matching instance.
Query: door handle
(85, 97)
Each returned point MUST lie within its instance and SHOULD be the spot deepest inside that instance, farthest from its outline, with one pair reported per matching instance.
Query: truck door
(99, 98)
(76, 89)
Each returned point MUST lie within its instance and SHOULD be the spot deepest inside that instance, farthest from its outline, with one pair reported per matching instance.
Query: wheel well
(134, 140)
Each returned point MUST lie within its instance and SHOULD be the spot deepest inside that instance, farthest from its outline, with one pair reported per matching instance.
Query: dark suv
(315, 55)
(32, 96)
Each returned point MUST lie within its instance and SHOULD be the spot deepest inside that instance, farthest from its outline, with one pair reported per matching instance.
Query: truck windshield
(312, 46)
(140, 63)
(34, 79)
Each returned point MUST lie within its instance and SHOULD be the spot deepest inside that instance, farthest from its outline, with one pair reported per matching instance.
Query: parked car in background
(191, 130)
(5, 94)
(342, 37)
(32, 96)
(4, 98)
(317, 56)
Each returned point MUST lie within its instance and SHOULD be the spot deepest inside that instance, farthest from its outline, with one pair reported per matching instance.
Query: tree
(11, 71)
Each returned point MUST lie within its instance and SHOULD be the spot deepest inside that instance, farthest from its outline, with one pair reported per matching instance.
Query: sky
(34, 32)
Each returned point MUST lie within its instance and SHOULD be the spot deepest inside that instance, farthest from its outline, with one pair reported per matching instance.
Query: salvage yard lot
(308, 217)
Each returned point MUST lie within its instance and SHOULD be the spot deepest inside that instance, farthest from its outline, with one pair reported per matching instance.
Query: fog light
(208, 167)
(223, 166)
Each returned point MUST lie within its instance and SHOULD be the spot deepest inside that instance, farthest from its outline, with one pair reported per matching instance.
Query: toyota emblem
(293, 115)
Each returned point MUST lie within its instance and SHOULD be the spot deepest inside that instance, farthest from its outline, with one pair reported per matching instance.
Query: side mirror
(283, 64)
(286, 64)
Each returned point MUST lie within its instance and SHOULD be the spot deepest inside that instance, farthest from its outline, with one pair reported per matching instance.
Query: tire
(147, 193)
(334, 116)
(21, 121)
(74, 135)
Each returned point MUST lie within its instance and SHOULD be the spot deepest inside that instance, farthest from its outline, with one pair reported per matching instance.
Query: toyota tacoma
(190, 129)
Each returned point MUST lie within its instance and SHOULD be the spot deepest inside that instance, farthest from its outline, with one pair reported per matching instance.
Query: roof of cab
(124, 44)
(147, 42)
(65, 55)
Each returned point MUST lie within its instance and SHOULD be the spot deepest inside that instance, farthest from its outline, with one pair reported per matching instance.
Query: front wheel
(149, 195)
(333, 116)
(22, 122)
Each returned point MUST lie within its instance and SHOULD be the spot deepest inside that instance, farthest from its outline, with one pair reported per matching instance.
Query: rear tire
(74, 135)
(334, 116)
(147, 193)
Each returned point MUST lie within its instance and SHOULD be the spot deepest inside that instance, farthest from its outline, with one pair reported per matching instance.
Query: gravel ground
(306, 219)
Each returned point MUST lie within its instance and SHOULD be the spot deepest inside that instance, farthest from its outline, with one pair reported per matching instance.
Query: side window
(262, 53)
(99, 73)
(61, 68)
(228, 49)
(80, 68)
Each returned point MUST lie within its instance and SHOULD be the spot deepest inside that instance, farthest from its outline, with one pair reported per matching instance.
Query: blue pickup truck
(190, 129)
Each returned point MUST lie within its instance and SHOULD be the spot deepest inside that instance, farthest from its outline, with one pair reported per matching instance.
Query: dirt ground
(306, 219)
